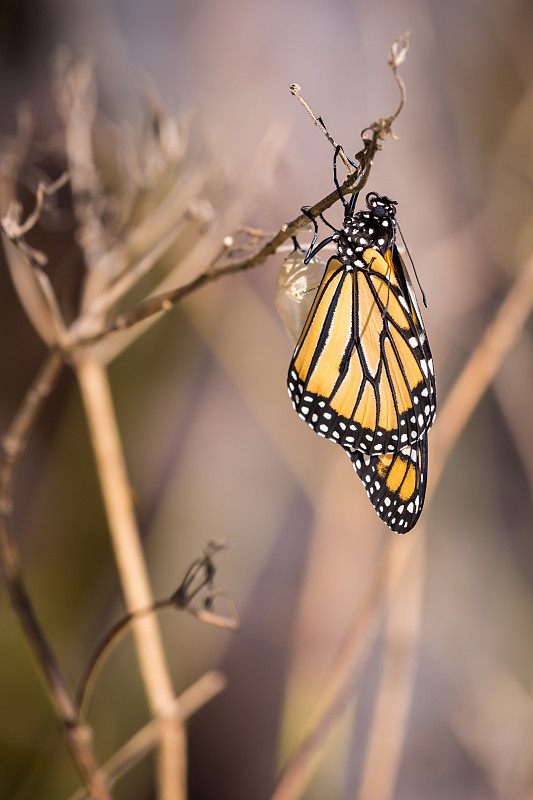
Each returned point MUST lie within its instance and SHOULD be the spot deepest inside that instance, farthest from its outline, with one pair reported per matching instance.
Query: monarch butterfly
(362, 373)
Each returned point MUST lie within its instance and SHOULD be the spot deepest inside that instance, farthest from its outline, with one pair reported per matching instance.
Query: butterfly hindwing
(395, 483)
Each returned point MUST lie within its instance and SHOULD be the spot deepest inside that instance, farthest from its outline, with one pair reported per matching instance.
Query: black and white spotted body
(373, 228)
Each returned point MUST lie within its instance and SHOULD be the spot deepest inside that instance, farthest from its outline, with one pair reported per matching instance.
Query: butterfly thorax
(373, 228)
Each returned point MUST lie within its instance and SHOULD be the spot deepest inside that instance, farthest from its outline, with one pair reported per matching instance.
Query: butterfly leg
(312, 250)
(353, 200)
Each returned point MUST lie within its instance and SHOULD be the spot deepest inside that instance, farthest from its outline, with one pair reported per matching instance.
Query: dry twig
(13, 445)
(131, 564)
(201, 692)
(74, 92)
(341, 684)
(198, 578)
(340, 688)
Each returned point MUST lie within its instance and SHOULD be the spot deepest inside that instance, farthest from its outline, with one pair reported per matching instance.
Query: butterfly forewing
(360, 374)
(420, 347)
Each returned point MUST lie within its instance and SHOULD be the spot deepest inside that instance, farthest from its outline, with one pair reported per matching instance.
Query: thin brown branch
(167, 300)
(129, 278)
(15, 439)
(132, 568)
(113, 635)
(356, 181)
(397, 55)
(516, 406)
(341, 687)
(404, 602)
(13, 445)
(339, 690)
(11, 224)
(75, 99)
(389, 723)
(199, 578)
(383, 761)
(191, 700)
(480, 369)
(383, 126)
(296, 91)
(75, 96)
(15, 154)
(77, 108)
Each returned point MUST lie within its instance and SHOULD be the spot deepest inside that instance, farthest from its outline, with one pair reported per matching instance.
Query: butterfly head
(373, 227)
(381, 206)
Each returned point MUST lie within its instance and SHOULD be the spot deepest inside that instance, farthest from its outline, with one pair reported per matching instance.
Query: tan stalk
(118, 501)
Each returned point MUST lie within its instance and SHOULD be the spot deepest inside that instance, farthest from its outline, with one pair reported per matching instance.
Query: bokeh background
(213, 447)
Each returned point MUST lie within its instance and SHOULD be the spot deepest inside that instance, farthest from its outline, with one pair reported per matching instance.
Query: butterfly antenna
(413, 265)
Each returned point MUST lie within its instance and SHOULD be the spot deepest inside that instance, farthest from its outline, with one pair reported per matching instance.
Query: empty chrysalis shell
(296, 289)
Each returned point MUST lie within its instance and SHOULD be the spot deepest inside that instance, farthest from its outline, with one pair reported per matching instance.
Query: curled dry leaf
(398, 51)
(30, 291)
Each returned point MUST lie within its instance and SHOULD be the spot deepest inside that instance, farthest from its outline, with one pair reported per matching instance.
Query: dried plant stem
(13, 445)
(516, 406)
(339, 690)
(11, 225)
(372, 137)
(132, 569)
(388, 732)
(404, 602)
(480, 369)
(15, 439)
(166, 300)
(341, 683)
(296, 91)
(76, 105)
(193, 698)
(379, 129)
(127, 281)
(387, 736)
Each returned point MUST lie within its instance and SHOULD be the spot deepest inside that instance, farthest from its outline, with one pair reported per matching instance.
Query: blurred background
(213, 447)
